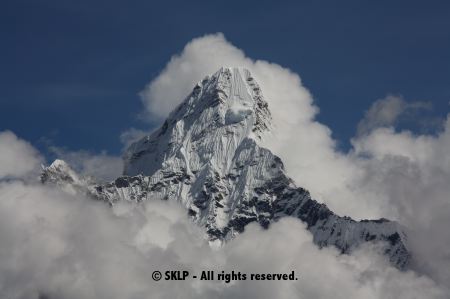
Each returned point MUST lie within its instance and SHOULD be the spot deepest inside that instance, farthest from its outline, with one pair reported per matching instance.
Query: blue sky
(71, 70)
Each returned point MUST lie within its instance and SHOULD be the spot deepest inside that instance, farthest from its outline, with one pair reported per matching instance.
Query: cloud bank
(56, 245)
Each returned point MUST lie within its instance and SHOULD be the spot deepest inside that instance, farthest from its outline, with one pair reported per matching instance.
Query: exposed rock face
(207, 155)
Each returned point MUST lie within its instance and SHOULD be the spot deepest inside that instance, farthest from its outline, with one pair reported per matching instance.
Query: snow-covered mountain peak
(207, 156)
(236, 97)
(229, 96)
(61, 174)
(211, 123)
(61, 171)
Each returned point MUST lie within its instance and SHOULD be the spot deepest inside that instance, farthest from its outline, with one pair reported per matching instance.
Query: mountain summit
(207, 156)
(205, 131)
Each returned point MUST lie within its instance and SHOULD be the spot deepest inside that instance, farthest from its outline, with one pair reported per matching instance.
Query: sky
(359, 99)
(71, 71)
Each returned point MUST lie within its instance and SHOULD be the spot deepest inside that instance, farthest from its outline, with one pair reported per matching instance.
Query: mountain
(207, 155)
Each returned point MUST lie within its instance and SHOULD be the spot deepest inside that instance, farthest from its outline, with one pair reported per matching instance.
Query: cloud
(387, 111)
(17, 157)
(100, 166)
(61, 245)
(410, 173)
(56, 245)
(131, 135)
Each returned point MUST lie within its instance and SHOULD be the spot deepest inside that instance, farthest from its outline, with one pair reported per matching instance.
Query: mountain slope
(207, 155)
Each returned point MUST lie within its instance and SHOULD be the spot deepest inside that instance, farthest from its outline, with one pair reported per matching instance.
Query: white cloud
(55, 245)
(387, 111)
(409, 174)
(131, 135)
(17, 157)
